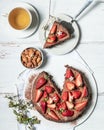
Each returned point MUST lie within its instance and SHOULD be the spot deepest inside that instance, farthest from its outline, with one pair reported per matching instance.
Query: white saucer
(68, 45)
(34, 25)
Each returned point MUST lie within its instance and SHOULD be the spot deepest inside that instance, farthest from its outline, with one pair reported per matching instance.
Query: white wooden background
(91, 48)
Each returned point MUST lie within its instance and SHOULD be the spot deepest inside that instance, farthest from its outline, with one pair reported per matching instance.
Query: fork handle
(50, 8)
(83, 8)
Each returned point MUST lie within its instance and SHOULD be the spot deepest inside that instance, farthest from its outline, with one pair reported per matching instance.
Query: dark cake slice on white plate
(58, 34)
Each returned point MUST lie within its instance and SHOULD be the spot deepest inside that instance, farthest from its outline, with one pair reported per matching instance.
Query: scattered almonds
(31, 58)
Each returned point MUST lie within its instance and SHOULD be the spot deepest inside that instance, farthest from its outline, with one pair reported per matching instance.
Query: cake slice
(45, 96)
(57, 35)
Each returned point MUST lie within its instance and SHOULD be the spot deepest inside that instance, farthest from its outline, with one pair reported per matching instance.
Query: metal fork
(75, 18)
(83, 8)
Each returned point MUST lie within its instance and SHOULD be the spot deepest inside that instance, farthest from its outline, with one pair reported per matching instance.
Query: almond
(38, 59)
(31, 52)
(24, 59)
(29, 64)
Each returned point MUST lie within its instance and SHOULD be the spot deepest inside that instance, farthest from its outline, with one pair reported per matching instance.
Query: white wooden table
(91, 48)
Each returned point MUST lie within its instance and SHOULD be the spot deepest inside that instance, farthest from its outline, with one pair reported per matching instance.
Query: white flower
(59, 33)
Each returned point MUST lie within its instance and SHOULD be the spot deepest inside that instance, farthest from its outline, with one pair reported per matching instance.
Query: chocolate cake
(61, 106)
(57, 35)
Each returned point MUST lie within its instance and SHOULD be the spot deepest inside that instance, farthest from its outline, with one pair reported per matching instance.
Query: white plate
(68, 45)
(34, 25)
(59, 78)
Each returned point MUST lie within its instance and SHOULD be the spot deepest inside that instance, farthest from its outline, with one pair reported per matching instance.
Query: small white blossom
(59, 33)
(71, 78)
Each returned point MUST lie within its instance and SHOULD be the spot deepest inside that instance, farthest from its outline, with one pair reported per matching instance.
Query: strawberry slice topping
(38, 96)
(50, 100)
(64, 96)
(70, 97)
(69, 74)
(51, 39)
(52, 106)
(84, 92)
(70, 105)
(43, 105)
(49, 89)
(41, 81)
(78, 81)
(76, 94)
(81, 105)
(53, 115)
(70, 85)
(62, 106)
(56, 98)
(53, 29)
(45, 94)
(68, 113)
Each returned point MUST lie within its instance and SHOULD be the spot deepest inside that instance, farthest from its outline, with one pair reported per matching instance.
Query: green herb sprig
(21, 110)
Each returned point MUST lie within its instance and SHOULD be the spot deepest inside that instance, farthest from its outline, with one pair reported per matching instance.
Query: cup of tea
(20, 18)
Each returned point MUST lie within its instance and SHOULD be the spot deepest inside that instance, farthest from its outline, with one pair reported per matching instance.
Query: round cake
(61, 106)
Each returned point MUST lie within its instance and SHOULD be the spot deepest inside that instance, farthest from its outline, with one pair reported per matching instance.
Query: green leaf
(20, 109)
(16, 113)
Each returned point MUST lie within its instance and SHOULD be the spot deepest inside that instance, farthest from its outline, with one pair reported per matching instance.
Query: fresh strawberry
(84, 92)
(70, 105)
(57, 106)
(69, 74)
(76, 94)
(53, 29)
(56, 97)
(79, 81)
(50, 100)
(70, 97)
(45, 94)
(41, 82)
(61, 35)
(49, 89)
(52, 106)
(62, 106)
(64, 96)
(51, 39)
(38, 96)
(68, 113)
(81, 105)
(70, 85)
(53, 115)
(43, 105)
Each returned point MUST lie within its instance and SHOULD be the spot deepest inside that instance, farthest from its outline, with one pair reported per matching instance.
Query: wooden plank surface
(91, 46)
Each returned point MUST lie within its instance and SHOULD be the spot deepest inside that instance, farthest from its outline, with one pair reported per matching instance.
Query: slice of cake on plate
(58, 34)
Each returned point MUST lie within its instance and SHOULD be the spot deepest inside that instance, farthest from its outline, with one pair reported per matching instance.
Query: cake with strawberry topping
(61, 106)
(57, 35)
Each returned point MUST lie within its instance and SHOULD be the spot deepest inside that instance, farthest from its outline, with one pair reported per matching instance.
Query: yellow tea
(19, 18)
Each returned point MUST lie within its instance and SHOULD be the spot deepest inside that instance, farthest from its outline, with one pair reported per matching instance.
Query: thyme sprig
(21, 110)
